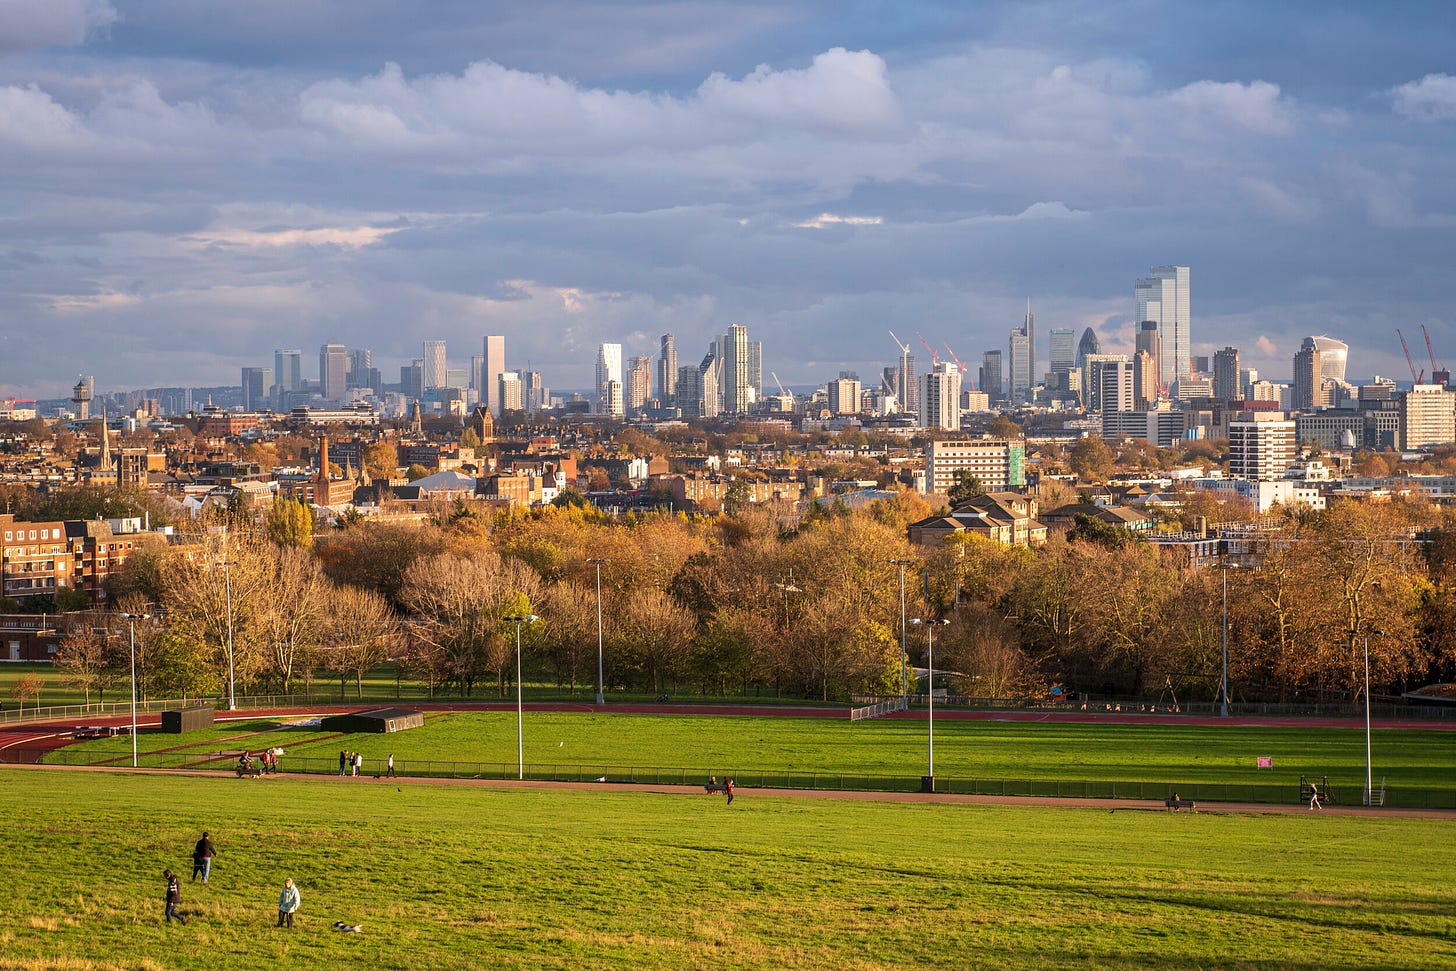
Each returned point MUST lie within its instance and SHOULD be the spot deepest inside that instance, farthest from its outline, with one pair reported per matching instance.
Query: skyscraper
(990, 381)
(844, 393)
(736, 396)
(287, 369)
(1162, 297)
(492, 366)
(1150, 341)
(1309, 380)
(667, 370)
(1062, 342)
(1144, 380)
(434, 358)
(609, 368)
(512, 393)
(1020, 365)
(1092, 384)
(639, 383)
(1226, 374)
(257, 382)
(1333, 355)
(1089, 344)
(755, 371)
(333, 371)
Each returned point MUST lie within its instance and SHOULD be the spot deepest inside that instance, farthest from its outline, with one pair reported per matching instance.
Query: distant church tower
(81, 398)
(483, 424)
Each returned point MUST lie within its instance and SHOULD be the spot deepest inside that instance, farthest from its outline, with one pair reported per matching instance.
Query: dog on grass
(344, 928)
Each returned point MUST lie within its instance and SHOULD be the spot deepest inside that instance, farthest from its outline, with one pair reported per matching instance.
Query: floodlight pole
(1369, 780)
(904, 663)
(928, 783)
(1223, 682)
(227, 574)
(598, 560)
(518, 620)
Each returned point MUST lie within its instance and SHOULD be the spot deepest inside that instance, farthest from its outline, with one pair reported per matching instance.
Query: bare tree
(362, 630)
(293, 614)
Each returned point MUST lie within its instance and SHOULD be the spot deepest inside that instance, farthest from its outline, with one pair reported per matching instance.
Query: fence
(1264, 793)
(878, 709)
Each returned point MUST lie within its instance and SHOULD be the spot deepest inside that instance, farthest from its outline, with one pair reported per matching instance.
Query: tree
(26, 687)
(292, 617)
(470, 439)
(362, 631)
(87, 656)
(380, 460)
(1091, 459)
(416, 472)
(570, 634)
(651, 636)
(736, 497)
(1003, 427)
(967, 486)
(288, 522)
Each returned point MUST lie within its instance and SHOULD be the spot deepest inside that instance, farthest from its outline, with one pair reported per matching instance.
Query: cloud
(1255, 107)
(27, 25)
(1266, 346)
(344, 237)
(1432, 98)
(825, 219)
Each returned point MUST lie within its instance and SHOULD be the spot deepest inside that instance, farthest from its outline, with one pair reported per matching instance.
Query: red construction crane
(965, 375)
(1408, 362)
(1439, 375)
(934, 355)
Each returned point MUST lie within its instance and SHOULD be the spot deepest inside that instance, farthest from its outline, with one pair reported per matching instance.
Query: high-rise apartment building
(737, 394)
(609, 368)
(1428, 416)
(1147, 339)
(667, 370)
(1144, 380)
(998, 463)
(1162, 297)
(1062, 343)
(333, 371)
(613, 401)
(1092, 378)
(990, 377)
(257, 385)
(940, 397)
(755, 371)
(844, 395)
(435, 367)
(639, 383)
(512, 392)
(1261, 445)
(1115, 381)
(1226, 375)
(537, 394)
(697, 388)
(492, 366)
(287, 370)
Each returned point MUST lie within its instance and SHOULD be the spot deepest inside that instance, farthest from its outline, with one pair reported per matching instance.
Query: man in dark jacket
(174, 897)
(202, 855)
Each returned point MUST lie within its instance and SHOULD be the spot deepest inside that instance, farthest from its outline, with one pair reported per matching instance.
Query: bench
(715, 787)
(1177, 804)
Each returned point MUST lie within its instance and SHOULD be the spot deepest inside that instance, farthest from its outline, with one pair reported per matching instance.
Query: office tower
(1333, 355)
(333, 371)
(1063, 346)
(667, 370)
(360, 364)
(613, 402)
(1162, 297)
(492, 366)
(1089, 344)
(940, 397)
(688, 391)
(1144, 380)
(1261, 446)
(1309, 380)
(411, 380)
(1427, 416)
(844, 394)
(1020, 366)
(536, 392)
(906, 386)
(512, 396)
(1247, 377)
(991, 375)
(1148, 338)
(735, 373)
(434, 358)
(257, 383)
(1115, 383)
(1199, 364)
(639, 383)
(1092, 378)
(609, 368)
(457, 378)
(287, 368)
(1226, 375)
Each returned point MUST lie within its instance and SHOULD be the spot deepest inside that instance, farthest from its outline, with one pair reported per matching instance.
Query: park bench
(1176, 804)
(715, 787)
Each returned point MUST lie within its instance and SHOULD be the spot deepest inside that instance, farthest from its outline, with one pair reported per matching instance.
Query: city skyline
(188, 193)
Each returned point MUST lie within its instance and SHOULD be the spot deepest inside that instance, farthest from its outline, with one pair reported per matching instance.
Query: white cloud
(825, 219)
(1432, 98)
(27, 25)
(1255, 107)
(32, 120)
(344, 237)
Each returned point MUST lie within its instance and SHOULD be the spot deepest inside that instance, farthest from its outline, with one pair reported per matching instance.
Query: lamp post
(928, 783)
(904, 665)
(1369, 781)
(599, 560)
(518, 620)
(1223, 681)
(227, 575)
(131, 620)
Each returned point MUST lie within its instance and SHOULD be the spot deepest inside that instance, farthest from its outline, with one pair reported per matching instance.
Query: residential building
(734, 378)
(1262, 445)
(1226, 375)
(940, 405)
(1163, 297)
(1092, 378)
(639, 383)
(434, 366)
(512, 392)
(844, 395)
(998, 463)
(609, 368)
(1428, 417)
(667, 370)
(1006, 517)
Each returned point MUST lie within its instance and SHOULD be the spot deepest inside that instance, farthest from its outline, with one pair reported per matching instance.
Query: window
(32, 534)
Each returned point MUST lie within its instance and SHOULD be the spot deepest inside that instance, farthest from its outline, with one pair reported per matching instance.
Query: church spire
(105, 440)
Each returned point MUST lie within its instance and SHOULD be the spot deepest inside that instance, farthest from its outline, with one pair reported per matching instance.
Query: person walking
(1314, 800)
(358, 764)
(202, 855)
(389, 766)
(174, 896)
(729, 789)
(343, 757)
(288, 902)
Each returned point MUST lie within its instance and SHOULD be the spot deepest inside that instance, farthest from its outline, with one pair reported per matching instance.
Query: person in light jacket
(288, 902)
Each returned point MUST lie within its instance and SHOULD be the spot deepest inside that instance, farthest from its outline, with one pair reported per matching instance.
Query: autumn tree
(292, 618)
(361, 633)
(88, 657)
(26, 688)
(288, 522)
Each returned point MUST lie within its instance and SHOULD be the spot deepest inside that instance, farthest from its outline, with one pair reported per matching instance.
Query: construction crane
(965, 375)
(934, 354)
(777, 382)
(1439, 375)
(1408, 362)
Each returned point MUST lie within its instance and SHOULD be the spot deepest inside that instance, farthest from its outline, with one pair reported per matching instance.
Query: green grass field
(1178, 755)
(472, 877)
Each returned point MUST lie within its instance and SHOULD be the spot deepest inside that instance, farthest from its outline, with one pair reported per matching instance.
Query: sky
(186, 186)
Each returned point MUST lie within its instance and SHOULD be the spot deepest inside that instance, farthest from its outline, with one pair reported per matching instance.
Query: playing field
(814, 751)
(445, 876)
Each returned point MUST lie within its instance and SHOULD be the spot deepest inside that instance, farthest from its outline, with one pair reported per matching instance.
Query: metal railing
(878, 709)
(1288, 793)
